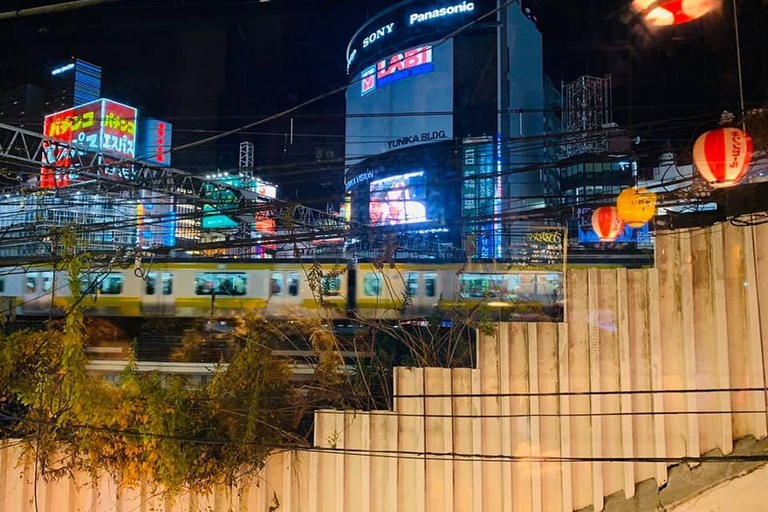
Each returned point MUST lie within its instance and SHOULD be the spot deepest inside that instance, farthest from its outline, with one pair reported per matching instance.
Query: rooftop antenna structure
(246, 155)
(587, 110)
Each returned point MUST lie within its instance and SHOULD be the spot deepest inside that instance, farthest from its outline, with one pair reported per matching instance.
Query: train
(216, 289)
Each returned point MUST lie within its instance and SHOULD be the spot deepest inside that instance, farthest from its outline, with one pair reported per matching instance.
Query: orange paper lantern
(636, 206)
(722, 156)
(607, 223)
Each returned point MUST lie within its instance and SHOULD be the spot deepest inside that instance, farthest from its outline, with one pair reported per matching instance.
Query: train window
(47, 282)
(430, 285)
(491, 286)
(31, 283)
(167, 279)
(149, 284)
(276, 283)
(473, 286)
(221, 283)
(371, 284)
(412, 282)
(293, 283)
(2, 284)
(331, 286)
(111, 284)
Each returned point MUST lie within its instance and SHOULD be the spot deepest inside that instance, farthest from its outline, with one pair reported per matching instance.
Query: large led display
(398, 199)
(629, 235)
(101, 126)
(219, 214)
(402, 100)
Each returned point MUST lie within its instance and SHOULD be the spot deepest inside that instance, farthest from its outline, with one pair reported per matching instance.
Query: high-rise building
(444, 119)
(72, 84)
(22, 106)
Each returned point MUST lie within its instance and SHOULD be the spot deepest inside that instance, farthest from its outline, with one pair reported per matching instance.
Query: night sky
(212, 65)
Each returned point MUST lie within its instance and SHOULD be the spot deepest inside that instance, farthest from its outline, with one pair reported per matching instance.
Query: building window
(430, 285)
(331, 286)
(221, 283)
(371, 285)
(412, 282)
(293, 283)
(276, 283)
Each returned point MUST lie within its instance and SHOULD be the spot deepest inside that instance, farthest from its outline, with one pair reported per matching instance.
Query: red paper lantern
(722, 156)
(607, 223)
(673, 12)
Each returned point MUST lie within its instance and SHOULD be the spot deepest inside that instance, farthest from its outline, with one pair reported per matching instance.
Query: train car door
(37, 291)
(157, 293)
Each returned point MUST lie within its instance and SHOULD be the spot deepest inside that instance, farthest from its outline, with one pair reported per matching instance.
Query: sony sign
(378, 34)
(441, 12)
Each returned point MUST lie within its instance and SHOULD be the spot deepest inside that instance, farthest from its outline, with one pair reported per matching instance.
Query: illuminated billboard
(398, 199)
(478, 195)
(220, 213)
(381, 107)
(410, 23)
(155, 142)
(640, 236)
(416, 61)
(101, 126)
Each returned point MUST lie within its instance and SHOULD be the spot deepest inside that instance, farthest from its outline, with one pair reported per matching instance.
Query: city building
(72, 84)
(22, 106)
(444, 119)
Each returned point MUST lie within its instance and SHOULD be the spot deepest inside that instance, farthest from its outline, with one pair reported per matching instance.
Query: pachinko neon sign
(102, 126)
(416, 61)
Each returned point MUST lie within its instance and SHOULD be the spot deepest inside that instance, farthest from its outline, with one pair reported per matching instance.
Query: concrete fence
(649, 367)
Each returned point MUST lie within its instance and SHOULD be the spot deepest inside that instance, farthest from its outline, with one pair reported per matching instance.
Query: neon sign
(63, 69)
(441, 13)
(378, 34)
(101, 126)
(416, 61)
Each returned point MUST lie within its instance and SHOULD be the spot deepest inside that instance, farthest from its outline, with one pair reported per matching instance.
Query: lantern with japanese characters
(607, 223)
(673, 12)
(636, 206)
(722, 156)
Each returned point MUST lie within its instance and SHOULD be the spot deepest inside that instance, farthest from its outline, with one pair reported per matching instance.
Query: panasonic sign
(381, 32)
(441, 12)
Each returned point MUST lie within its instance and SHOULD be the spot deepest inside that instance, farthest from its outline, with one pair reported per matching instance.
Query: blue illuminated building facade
(74, 83)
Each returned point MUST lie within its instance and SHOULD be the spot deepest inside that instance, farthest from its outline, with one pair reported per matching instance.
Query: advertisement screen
(398, 200)
(640, 236)
(223, 201)
(404, 99)
(102, 126)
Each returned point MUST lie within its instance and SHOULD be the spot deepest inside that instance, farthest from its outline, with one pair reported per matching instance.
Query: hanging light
(607, 223)
(673, 12)
(722, 156)
(636, 206)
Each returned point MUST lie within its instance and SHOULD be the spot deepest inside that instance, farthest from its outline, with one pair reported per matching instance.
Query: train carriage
(221, 290)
